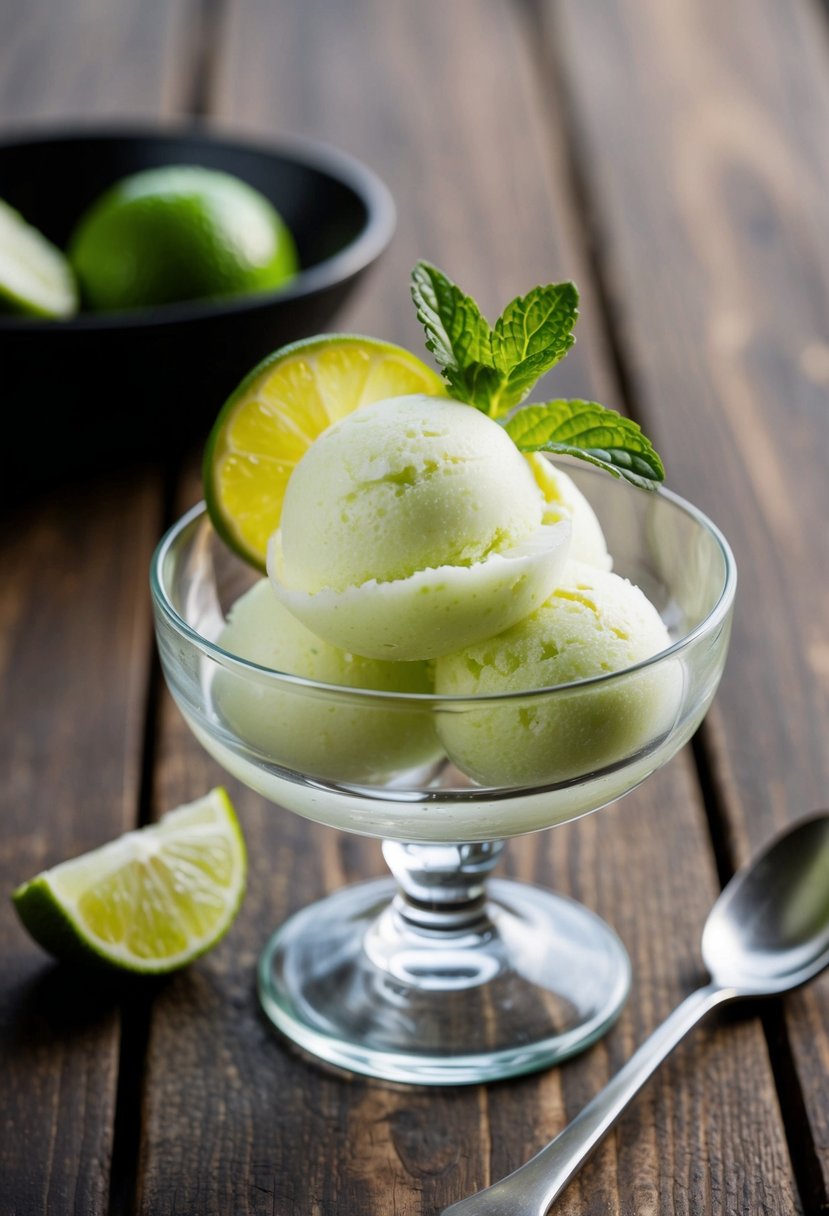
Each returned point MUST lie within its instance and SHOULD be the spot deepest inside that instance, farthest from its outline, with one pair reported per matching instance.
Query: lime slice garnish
(277, 412)
(35, 277)
(150, 901)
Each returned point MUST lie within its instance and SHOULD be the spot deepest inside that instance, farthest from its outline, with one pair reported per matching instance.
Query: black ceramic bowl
(107, 388)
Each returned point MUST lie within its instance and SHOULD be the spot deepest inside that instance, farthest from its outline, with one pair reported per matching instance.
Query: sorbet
(414, 527)
(314, 731)
(594, 623)
(564, 500)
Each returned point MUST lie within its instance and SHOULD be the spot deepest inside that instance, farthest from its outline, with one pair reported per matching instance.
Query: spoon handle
(530, 1189)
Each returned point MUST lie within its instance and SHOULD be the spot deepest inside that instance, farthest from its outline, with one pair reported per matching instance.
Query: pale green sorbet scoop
(594, 623)
(414, 527)
(324, 734)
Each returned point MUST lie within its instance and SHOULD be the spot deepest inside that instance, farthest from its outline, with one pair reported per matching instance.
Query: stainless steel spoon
(767, 933)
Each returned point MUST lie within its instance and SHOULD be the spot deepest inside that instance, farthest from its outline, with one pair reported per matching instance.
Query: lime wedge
(35, 277)
(151, 901)
(276, 413)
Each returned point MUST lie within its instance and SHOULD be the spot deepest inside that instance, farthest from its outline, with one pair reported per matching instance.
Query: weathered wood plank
(73, 667)
(74, 660)
(701, 131)
(441, 100)
(81, 61)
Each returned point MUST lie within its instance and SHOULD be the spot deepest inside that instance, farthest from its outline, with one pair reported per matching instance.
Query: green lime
(151, 901)
(35, 277)
(180, 232)
(276, 413)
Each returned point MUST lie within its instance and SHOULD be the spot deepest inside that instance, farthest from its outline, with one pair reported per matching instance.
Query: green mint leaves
(593, 433)
(457, 335)
(532, 334)
(495, 368)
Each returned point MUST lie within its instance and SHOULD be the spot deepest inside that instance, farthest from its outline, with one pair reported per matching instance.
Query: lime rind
(35, 278)
(166, 856)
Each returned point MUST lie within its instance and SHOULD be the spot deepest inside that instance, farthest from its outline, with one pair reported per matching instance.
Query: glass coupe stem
(442, 887)
(437, 933)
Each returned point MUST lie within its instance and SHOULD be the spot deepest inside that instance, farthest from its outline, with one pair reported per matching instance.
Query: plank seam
(139, 995)
(714, 805)
(802, 1148)
(126, 1139)
(199, 89)
(823, 7)
(800, 1141)
(550, 76)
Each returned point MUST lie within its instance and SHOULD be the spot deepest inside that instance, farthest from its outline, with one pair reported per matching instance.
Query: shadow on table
(63, 1001)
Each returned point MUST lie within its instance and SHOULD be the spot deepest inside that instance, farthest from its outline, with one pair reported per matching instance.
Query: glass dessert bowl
(440, 975)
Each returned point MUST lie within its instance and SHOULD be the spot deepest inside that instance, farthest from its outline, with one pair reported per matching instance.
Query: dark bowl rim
(357, 256)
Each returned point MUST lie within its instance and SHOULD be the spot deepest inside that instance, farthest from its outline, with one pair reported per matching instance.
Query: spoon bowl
(769, 930)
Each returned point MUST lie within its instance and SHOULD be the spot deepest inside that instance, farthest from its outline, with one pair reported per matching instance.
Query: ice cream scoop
(312, 730)
(564, 500)
(411, 528)
(594, 624)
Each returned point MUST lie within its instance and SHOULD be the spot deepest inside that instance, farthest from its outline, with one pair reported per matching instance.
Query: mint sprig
(494, 369)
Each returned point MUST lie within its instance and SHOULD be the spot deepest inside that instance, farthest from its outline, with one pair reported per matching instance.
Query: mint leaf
(457, 334)
(591, 432)
(493, 369)
(532, 334)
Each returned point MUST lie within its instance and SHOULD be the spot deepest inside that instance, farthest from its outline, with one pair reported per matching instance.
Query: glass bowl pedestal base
(440, 977)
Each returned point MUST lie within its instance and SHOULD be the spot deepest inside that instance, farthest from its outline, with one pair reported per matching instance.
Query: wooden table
(672, 157)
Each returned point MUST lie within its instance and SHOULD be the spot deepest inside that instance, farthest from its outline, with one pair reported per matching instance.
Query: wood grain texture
(73, 666)
(83, 61)
(443, 102)
(719, 277)
(74, 661)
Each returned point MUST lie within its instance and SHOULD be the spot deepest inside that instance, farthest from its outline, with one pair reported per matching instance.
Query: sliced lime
(277, 412)
(35, 277)
(150, 901)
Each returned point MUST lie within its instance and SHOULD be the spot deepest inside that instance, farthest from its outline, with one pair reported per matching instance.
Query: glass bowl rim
(715, 616)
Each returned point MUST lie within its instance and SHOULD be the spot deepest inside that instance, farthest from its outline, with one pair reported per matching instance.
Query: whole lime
(179, 232)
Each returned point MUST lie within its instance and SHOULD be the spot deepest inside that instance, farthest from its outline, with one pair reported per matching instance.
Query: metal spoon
(767, 933)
